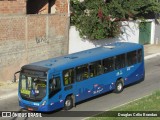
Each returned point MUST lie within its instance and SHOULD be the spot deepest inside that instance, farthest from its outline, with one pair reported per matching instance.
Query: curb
(16, 93)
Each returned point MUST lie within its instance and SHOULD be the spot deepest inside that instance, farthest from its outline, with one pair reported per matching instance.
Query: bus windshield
(32, 88)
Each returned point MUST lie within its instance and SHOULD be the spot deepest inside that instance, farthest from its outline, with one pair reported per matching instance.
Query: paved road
(108, 101)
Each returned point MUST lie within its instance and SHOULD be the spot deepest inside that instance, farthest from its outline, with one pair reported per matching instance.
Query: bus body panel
(135, 73)
(98, 85)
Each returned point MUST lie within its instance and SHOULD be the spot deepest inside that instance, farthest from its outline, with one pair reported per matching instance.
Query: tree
(99, 19)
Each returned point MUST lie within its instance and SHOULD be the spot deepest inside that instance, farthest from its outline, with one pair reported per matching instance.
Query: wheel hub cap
(119, 87)
(68, 103)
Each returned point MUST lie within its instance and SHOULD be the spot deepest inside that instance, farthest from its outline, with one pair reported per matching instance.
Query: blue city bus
(63, 81)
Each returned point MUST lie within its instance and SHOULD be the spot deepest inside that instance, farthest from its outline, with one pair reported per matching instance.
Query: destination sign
(34, 73)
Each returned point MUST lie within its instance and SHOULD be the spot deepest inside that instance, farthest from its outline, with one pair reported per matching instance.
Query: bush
(99, 19)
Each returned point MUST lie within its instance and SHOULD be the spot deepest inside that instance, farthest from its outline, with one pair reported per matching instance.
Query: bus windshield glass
(32, 88)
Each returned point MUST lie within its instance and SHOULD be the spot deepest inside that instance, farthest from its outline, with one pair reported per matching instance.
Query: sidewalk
(151, 51)
(10, 89)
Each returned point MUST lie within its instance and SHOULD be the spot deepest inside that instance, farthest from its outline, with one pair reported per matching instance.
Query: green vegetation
(149, 103)
(99, 19)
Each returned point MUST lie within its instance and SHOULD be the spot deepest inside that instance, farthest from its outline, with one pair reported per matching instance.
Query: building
(30, 31)
(33, 6)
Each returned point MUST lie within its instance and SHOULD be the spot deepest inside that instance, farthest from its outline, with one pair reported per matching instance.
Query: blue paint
(92, 86)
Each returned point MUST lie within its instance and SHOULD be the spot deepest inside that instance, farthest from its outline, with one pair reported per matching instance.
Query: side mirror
(14, 80)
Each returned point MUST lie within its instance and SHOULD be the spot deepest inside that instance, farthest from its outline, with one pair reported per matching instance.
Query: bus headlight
(44, 102)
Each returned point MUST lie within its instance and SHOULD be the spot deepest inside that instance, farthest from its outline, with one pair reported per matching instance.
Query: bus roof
(87, 56)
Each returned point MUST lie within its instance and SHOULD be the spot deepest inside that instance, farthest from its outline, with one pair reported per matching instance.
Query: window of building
(40, 6)
(68, 76)
(82, 72)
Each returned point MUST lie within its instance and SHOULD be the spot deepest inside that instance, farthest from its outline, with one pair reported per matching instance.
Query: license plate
(30, 109)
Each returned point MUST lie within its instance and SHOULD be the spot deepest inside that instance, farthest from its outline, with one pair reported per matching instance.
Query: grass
(149, 103)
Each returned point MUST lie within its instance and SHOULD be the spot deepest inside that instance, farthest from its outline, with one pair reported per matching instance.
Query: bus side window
(56, 83)
(68, 76)
(108, 64)
(131, 58)
(95, 68)
(139, 55)
(82, 72)
(54, 86)
(100, 68)
(120, 61)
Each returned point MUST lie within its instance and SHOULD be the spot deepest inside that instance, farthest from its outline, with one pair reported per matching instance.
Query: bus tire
(119, 86)
(68, 104)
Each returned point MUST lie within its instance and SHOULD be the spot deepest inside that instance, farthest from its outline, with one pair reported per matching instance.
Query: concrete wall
(130, 33)
(152, 41)
(157, 34)
(29, 38)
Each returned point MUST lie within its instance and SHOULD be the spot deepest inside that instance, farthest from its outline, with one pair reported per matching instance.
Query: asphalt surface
(105, 102)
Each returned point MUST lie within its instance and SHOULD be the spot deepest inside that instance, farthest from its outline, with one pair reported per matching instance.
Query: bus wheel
(68, 103)
(119, 86)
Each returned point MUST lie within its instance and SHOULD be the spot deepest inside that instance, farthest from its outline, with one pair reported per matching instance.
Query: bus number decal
(36, 104)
